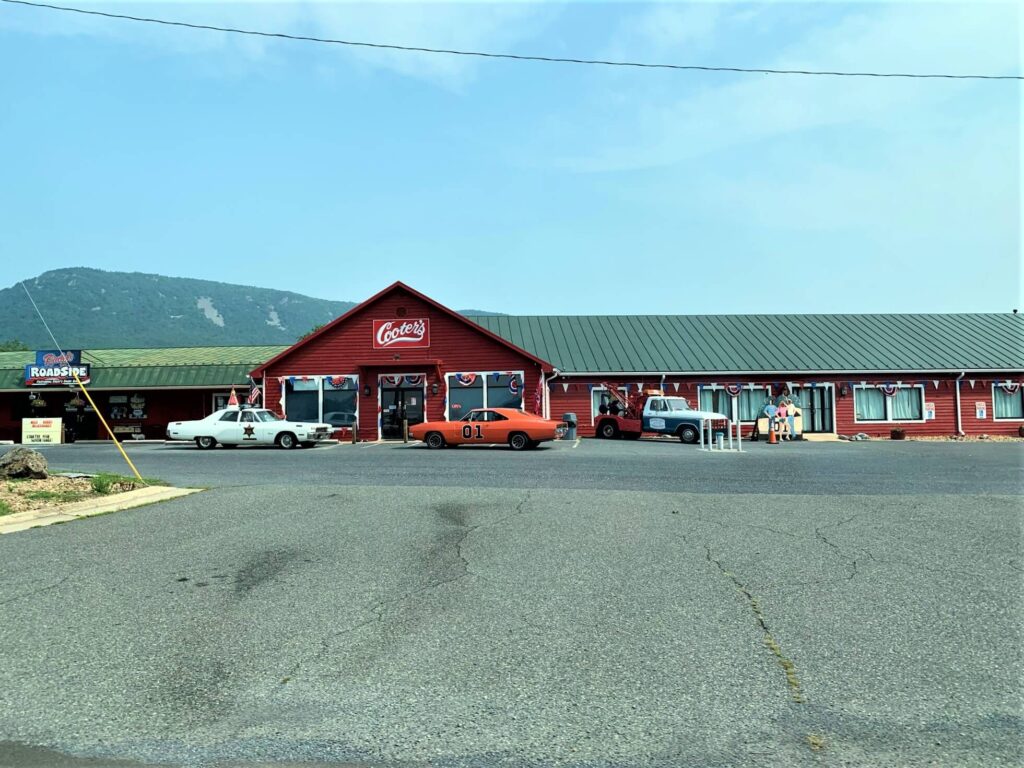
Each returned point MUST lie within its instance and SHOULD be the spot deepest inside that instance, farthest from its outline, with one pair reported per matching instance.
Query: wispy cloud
(660, 121)
(476, 26)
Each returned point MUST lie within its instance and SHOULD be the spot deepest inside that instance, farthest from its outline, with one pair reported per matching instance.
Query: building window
(870, 403)
(340, 405)
(600, 399)
(1007, 405)
(467, 391)
(749, 402)
(302, 399)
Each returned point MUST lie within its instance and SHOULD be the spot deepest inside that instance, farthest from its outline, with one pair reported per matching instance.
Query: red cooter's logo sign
(401, 333)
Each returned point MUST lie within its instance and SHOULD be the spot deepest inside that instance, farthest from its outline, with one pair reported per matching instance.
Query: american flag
(254, 392)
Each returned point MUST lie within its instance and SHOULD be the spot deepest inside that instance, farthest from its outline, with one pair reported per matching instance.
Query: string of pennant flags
(515, 384)
(890, 388)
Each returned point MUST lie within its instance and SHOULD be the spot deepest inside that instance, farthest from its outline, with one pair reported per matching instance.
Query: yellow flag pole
(80, 384)
(104, 422)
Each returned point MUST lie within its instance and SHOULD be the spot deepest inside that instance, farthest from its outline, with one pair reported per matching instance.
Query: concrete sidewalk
(21, 521)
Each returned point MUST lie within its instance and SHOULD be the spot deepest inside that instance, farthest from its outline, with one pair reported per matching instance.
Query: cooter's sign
(407, 334)
(56, 369)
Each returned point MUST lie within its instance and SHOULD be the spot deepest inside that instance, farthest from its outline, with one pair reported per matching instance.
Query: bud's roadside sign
(56, 369)
(401, 334)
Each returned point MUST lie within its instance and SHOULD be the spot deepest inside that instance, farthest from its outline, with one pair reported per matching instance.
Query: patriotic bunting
(1010, 387)
(733, 389)
(465, 379)
(889, 389)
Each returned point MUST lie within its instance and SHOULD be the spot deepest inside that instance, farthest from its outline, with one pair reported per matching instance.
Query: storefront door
(816, 408)
(400, 397)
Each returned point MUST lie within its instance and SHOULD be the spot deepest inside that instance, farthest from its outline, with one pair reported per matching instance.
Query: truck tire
(609, 430)
(688, 434)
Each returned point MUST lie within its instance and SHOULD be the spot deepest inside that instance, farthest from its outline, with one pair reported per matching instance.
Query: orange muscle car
(490, 425)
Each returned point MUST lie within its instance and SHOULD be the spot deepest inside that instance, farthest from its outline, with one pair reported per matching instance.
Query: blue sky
(522, 187)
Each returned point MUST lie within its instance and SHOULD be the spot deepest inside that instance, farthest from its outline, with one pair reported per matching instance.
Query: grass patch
(107, 482)
(57, 497)
(4, 508)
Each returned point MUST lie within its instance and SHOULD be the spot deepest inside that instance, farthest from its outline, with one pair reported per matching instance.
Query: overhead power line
(512, 56)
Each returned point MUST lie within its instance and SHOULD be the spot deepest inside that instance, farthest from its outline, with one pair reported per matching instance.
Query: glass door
(401, 397)
(815, 404)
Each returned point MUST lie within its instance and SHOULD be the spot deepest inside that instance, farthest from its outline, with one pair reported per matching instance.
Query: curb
(21, 521)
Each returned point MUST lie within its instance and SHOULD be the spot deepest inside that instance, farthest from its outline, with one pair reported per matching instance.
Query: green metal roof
(767, 343)
(140, 368)
(637, 344)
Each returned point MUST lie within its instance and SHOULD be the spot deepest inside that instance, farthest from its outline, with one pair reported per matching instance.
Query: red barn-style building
(399, 354)
(927, 375)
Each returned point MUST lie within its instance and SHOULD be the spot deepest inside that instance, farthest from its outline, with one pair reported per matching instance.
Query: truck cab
(674, 416)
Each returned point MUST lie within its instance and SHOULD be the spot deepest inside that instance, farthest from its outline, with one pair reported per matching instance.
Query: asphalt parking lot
(599, 604)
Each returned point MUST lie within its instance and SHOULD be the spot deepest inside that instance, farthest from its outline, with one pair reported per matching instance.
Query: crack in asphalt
(788, 667)
(381, 606)
(36, 591)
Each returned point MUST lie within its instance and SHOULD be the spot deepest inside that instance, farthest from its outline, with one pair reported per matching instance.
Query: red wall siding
(577, 399)
(345, 347)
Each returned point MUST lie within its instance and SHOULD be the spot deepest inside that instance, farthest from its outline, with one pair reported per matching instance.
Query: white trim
(888, 409)
(1004, 419)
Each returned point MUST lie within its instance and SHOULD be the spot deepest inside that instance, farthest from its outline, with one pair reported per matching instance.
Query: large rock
(23, 462)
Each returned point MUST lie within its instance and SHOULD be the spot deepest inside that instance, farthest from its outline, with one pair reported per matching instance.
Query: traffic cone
(771, 435)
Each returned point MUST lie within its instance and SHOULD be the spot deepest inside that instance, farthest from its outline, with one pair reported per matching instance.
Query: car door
(250, 432)
(498, 427)
(227, 429)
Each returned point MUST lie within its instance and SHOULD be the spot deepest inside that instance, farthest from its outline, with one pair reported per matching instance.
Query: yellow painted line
(577, 443)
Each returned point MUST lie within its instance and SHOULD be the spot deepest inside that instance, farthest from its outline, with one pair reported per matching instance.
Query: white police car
(248, 426)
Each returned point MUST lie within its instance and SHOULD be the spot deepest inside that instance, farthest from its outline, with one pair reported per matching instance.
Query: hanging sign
(929, 411)
(401, 334)
(55, 369)
(37, 431)
(979, 410)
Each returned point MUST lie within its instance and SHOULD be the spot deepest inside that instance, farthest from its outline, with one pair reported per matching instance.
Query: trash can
(570, 423)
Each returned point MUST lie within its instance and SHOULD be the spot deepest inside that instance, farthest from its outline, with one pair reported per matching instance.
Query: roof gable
(395, 287)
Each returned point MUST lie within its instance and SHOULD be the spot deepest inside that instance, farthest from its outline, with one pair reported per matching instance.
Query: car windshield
(678, 404)
(268, 416)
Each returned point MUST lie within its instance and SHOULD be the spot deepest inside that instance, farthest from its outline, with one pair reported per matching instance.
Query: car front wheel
(287, 440)
(688, 435)
(206, 443)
